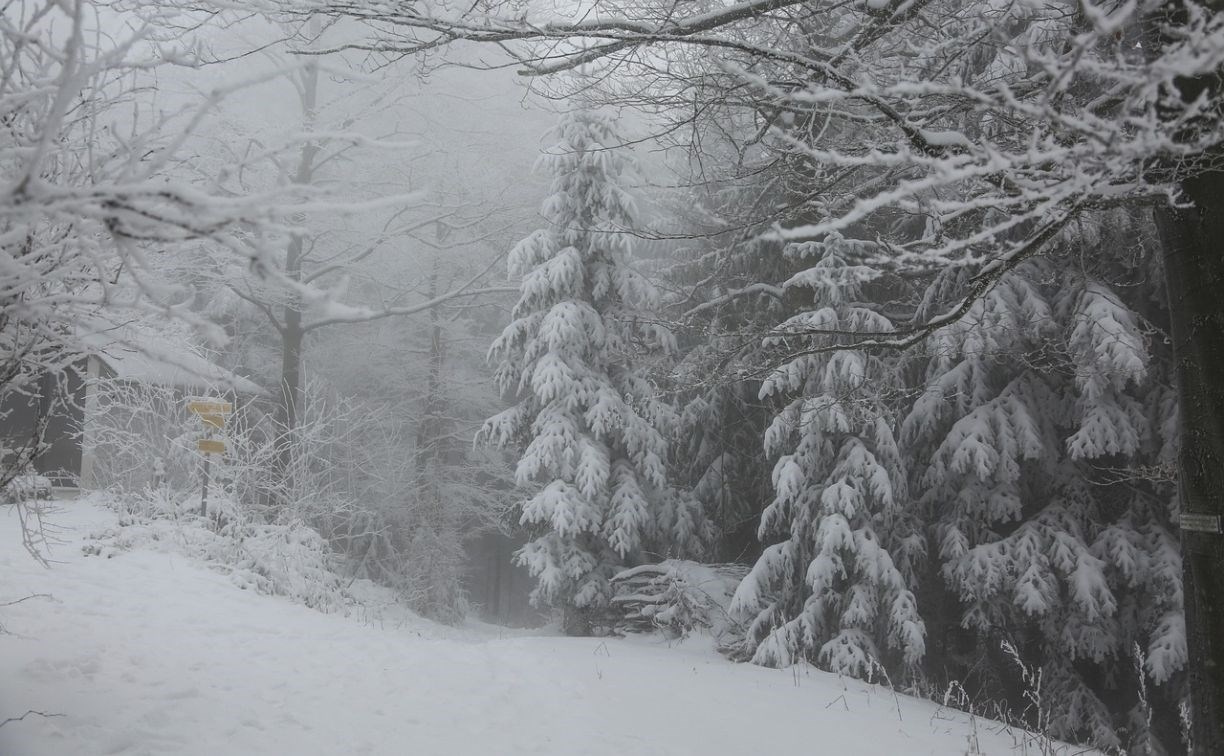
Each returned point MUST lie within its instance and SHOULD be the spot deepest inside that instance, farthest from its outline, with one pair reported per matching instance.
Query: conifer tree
(588, 421)
(837, 588)
(1031, 451)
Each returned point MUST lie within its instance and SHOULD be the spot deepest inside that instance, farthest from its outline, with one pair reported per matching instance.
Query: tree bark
(292, 335)
(429, 432)
(1193, 240)
(292, 339)
(1194, 271)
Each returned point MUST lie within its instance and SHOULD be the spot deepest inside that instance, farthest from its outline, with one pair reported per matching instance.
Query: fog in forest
(645, 377)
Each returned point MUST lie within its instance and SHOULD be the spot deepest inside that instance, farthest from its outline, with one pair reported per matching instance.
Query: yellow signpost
(210, 408)
(211, 446)
(212, 415)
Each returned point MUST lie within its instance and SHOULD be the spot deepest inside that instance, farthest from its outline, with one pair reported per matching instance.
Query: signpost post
(212, 415)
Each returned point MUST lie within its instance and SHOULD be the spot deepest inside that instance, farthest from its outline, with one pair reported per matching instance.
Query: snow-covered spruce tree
(837, 588)
(590, 426)
(1033, 451)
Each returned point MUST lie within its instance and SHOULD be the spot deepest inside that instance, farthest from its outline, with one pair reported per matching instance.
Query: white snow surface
(147, 651)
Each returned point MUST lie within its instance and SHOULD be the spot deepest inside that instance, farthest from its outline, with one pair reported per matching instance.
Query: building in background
(67, 401)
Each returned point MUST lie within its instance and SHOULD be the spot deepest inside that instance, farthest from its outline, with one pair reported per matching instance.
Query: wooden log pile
(675, 597)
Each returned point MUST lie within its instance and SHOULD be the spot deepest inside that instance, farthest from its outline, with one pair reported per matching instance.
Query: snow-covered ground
(146, 651)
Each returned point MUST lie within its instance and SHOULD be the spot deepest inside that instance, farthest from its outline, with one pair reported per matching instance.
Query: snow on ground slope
(149, 652)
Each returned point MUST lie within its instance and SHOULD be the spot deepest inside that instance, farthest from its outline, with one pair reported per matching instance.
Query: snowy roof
(141, 355)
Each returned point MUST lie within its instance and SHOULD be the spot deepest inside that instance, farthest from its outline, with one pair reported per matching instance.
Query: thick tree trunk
(292, 334)
(1193, 239)
(1194, 269)
(429, 432)
(429, 437)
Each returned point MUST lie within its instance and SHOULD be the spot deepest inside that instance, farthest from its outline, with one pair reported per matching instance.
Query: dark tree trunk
(1193, 239)
(1194, 270)
(429, 432)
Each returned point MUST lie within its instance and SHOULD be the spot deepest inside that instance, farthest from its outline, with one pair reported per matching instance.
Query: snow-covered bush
(289, 560)
(286, 559)
(142, 435)
(139, 435)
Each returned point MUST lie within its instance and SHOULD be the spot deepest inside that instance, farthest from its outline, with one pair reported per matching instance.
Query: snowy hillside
(145, 651)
